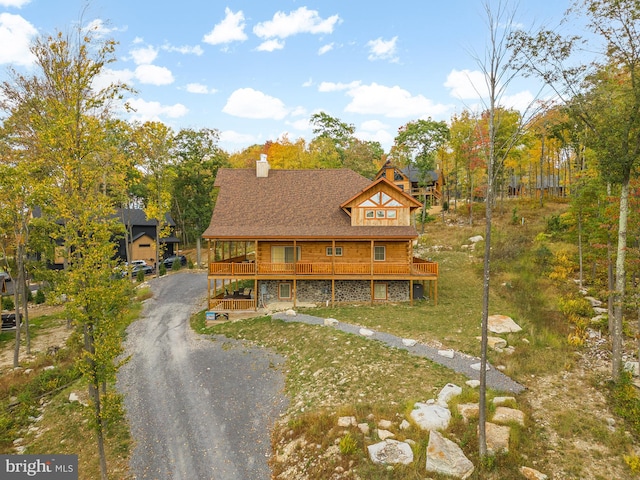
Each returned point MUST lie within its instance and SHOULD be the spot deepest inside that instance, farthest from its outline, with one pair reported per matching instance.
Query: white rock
(49, 367)
(473, 383)
(385, 424)
(365, 332)
(508, 415)
(408, 342)
(330, 322)
(532, 474)
(633, 367)
(73, 397)
(594, 301)
(446, 353)
(502, 324)
(476, 238)
(497, 438)
(364, 428)
(469, 410)
(600, 310)
(499, 401)
(431, 417)
(404, 425)
(447, 458)
(389, 452)
(290, 312)
(478, 366)
(447, 393)
(346, 421)
(384, 434)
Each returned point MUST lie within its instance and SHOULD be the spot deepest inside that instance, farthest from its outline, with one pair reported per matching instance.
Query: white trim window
(284, 290)
(330, 251)
(380, 291)
(379, 253)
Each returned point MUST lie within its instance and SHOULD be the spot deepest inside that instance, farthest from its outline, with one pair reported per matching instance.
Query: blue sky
(257, 70)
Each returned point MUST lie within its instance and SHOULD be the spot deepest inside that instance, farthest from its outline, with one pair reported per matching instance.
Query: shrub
(7, 303)
(140, 276)
(175, 266)
(39, 297)
(162, 270)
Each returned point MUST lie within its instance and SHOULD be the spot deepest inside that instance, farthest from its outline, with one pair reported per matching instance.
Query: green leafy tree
(196, 159)
(65, 138)
(153, 143)
(417, 144)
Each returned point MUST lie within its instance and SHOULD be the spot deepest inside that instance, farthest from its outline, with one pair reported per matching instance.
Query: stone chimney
(262, 167)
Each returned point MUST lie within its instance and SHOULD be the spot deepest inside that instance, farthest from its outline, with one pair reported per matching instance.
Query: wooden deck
(418, 268)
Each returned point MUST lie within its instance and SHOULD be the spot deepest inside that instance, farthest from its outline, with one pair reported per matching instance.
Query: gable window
(338, 251)
(379, 291)
(397, 176)
(379, 253)
(284, 254)
(284, 290)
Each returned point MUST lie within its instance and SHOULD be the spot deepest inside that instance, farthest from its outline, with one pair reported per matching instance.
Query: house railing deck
(418, 267)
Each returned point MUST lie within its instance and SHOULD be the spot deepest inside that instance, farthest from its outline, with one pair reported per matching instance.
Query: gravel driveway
(198, 409)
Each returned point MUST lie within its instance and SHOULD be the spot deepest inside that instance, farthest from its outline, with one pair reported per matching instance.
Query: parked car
(4, 276)
(148, 270)
(168, 262)
(135, 263)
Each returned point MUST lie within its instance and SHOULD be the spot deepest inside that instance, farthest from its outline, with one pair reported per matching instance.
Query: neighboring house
(142, 236)
(550, 185)
(409, 180)
(318, 236)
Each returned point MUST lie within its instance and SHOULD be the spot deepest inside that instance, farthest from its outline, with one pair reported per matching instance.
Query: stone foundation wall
(346, 291)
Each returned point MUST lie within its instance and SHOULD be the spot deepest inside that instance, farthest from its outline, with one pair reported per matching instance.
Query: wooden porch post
(295, 271)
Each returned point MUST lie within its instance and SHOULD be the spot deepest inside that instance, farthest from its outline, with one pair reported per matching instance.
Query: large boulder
(497, 438)
(506, 415)
(447, 458)
(448, 392)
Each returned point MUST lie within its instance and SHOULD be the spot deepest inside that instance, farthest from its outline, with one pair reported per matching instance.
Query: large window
(338, 252)
(284, 254)
(379, 253)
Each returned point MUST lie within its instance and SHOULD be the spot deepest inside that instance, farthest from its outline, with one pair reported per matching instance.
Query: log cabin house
(317, 236)
(410, 180)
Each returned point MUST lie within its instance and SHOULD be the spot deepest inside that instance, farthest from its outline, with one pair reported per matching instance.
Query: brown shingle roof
(291, 204)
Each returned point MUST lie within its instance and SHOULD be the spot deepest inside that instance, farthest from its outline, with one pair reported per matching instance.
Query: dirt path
(197, 408)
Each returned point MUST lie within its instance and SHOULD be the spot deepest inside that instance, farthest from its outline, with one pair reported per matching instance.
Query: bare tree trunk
(618, 305)
(16, 302)
(580, 278)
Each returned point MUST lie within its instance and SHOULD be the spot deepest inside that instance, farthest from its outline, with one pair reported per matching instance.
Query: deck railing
(417, 267)
(232, 304)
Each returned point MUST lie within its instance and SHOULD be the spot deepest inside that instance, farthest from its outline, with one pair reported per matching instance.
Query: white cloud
(271, 45)
(375, 131)
(230, 136)
(185, 49)
(466, 84)
(230, 29)
(301, 20)
(14, 3)
(301, 125)
(520, 101)
(336, 87)
(153, 111)
(380, 49)
(325, 48)
(153, 75)
(16, 35)
(99, 28)
(250, 103)
(144, 55)
(394, 102)
(108, 77)
(199, 88)
(308, 83)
